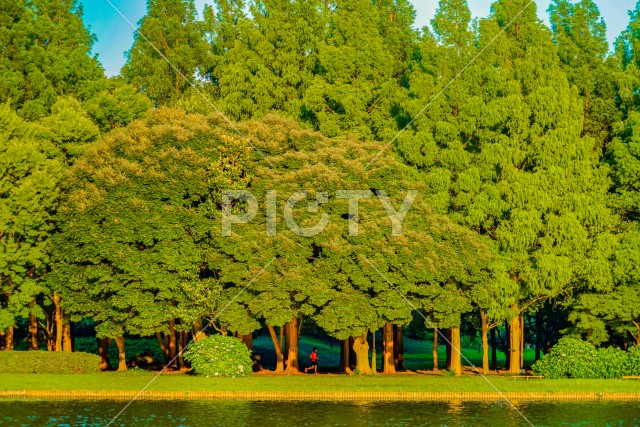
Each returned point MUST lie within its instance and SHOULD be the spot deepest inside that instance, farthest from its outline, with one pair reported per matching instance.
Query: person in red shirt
(314, 362)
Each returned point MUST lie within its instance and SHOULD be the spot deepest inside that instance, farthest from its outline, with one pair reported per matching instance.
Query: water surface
(294, 414)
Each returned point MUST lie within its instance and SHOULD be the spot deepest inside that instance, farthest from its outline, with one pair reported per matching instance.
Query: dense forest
(523, 142)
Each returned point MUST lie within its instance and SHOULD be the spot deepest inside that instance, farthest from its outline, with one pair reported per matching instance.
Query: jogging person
(314, 362)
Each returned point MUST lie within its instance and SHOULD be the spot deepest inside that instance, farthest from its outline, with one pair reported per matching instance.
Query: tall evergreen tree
(580, 33)
(46, 54)
(355, 89)
(265, 63)
(169, 51)
(600, 315)
(519, 171)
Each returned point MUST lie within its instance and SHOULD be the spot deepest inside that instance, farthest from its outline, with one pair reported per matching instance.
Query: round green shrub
(570, 358)
(219, 356)
(573, 358)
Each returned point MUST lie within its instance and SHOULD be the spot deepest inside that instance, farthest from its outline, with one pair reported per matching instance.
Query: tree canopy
(265, 165)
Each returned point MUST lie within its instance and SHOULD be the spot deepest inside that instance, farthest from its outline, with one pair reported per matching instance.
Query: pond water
(293, 414)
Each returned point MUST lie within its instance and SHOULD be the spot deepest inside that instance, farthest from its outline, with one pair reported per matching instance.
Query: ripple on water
(293, 414)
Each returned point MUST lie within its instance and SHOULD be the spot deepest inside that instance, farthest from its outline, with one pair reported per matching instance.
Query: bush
(219, 355)
(570, 358)
(632, 365)
(611, 363)
(47, 362)
(573, 358)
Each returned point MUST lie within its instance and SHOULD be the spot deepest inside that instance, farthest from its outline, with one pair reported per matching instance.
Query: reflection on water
(293, 414)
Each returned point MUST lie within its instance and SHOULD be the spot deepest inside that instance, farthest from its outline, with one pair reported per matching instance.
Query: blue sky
(115, 36)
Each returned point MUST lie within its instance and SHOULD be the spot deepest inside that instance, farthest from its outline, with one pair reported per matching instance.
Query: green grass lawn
(418, 355)
(409, 382)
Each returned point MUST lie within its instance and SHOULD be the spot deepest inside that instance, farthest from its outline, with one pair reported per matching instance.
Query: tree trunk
(388, 363)
(173, 343)
(539, 334)
(374, 356)
(506, 346)
(122, 361)
(277, 345)
(637, 335)
(456, 351)
(182, 343)
(163, 344)
(398, 347)
(522, 340)
(58, 322)
(2, 341)
(494, 350)
(435, 350)
(8, 338)
(197, 330)
(514, 343)
(287, 339)
(292, 353)
(246, 340)
(447, 333)
(361, 347)
(67, 340)
(103, 352)
(352, 354)
(33, 328)
(345, 364)
(485, 342)
(50, 331)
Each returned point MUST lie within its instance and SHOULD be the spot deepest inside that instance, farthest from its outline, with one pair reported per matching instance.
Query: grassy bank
(414, 383)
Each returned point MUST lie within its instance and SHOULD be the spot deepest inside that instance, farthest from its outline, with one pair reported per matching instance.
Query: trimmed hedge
(573, 358)
(47, 362)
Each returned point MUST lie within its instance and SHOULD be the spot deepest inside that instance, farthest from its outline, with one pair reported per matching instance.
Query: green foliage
(117, 106)
(611, 363)
(47, 362)
(68, 129)
(267, 62)
(29, 195)
(632, 365)
(580, 33)
(46, 54)
(570, 358)
(338, 65)
(328, 275)
(574, 358)
(357, 81)
(527, 166)
(502, 152)
(219, 355)
(169, 27)
(140, 219)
